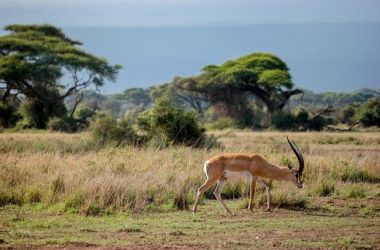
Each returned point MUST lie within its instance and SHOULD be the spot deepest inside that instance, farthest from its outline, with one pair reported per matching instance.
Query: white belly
(237, 175)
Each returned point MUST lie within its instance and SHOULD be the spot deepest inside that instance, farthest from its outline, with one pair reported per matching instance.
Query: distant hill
(336, 99)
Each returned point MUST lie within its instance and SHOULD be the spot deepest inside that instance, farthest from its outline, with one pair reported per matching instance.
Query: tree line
(48, 81)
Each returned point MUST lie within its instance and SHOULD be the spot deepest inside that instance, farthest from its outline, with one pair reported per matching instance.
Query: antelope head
(296, 173)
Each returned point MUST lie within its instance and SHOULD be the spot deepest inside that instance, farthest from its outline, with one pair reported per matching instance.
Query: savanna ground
(66, 191)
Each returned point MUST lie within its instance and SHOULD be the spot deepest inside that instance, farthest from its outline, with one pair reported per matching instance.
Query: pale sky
(73, 13)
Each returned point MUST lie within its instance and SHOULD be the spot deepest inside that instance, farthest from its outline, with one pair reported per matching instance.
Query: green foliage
(283, 120)
(175, 125)
(298, 120)
(131, 116)
(137, 96)
(346, 114)
(222, 123)
(318, 123)
(338, 100)
(78, 122)
(8, 115)
(369, 113)
(36, 112)
(65, 124)
(107, 130)
(275, 78)
(301, 116)
(260, 75)
(38, 62)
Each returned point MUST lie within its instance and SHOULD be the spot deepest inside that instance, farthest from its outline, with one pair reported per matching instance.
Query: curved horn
(297, 152)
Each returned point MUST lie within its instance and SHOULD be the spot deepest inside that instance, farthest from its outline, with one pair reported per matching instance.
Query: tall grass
(69, 170)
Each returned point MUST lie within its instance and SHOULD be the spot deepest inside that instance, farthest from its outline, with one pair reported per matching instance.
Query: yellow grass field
(61, 190)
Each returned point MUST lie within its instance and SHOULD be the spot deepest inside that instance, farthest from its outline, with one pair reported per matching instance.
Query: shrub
(107, 130)
(36, 113)
(318, 123)
(369, 113)
(8, 115)
(222, 123)
(177, 126)
(346, 115)
(284, 120)
(64, 124)
(301, 116)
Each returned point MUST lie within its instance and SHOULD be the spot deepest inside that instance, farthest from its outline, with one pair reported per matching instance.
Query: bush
(174, 125)
(301, 116)
(346, 115)
(107, 130)
(284, 120)
(222, 123)
(369, 113)
(36, 113)
(8, 115)
(65, 124)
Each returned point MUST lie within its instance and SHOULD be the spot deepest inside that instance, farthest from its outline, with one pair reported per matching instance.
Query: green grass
(210, 228)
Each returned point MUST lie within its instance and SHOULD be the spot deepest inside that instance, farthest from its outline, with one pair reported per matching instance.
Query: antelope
(256, 168)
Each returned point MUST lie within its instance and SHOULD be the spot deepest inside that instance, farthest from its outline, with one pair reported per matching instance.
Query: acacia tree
(40, 64)
(261, 75)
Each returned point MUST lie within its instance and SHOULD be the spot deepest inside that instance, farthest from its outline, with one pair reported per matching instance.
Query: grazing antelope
(220, 168)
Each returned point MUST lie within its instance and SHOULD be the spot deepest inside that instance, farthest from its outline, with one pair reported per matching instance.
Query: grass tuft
(323, 189)
(355, 191)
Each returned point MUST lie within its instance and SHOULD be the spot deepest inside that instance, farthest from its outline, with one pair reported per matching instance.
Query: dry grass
(72, 172)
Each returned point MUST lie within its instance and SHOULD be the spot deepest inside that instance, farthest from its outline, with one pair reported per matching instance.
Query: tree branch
(77, 101)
